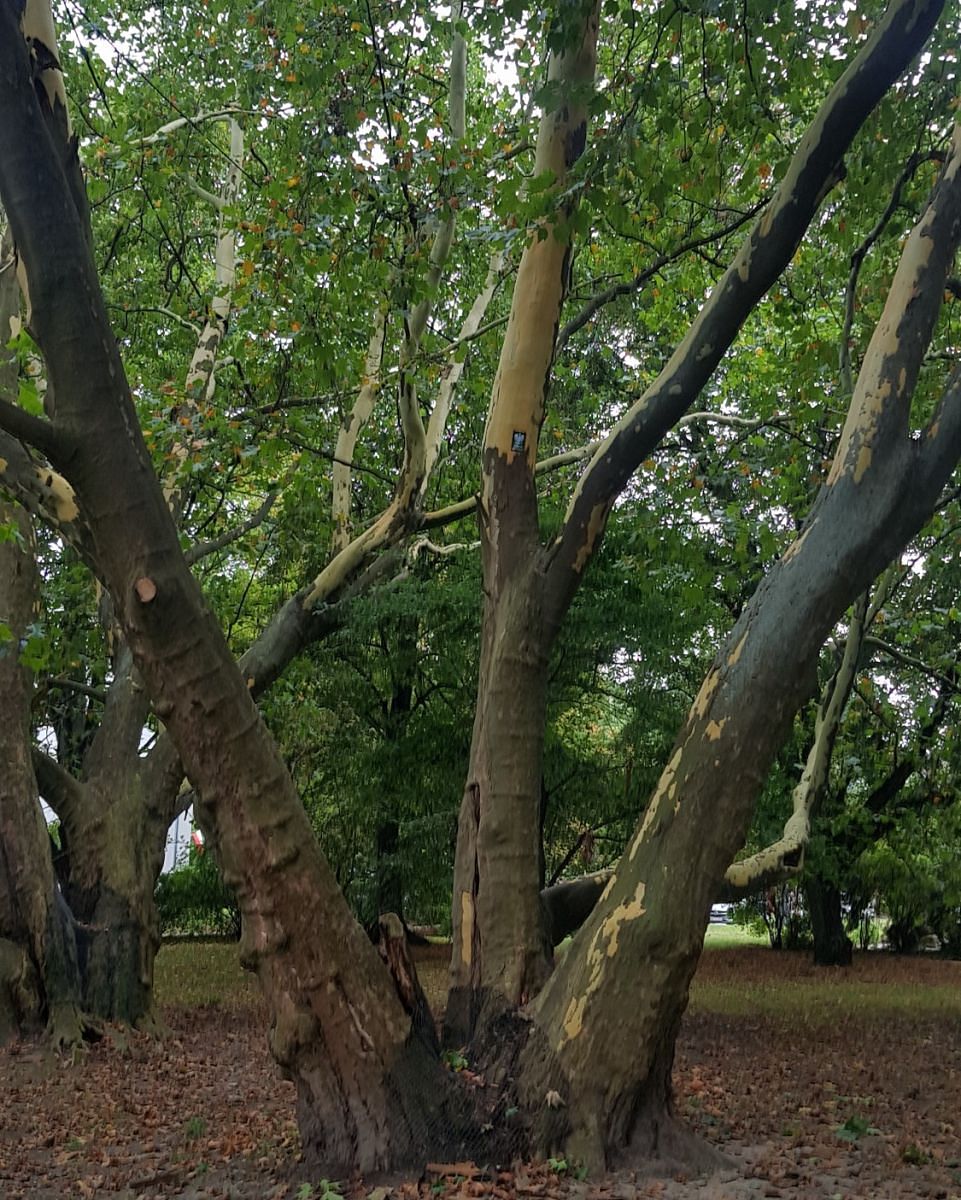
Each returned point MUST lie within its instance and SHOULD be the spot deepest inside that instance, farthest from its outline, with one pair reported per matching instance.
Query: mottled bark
(501, 953)
(882, 486)
(370, 1092)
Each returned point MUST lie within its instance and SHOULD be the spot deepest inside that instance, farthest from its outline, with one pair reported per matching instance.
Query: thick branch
(813, 171)
(62, 792)
(35, 431)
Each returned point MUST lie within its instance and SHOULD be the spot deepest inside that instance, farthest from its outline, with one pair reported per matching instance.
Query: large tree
(371, 1091)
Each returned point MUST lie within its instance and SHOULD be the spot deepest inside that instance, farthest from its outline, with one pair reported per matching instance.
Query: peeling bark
(651, 912)
(502, 957)
(370, 1094)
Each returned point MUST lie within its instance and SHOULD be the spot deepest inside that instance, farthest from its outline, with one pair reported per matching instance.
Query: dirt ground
(836, 1087)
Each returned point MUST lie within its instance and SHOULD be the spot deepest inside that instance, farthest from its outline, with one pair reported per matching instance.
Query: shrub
(194, 899)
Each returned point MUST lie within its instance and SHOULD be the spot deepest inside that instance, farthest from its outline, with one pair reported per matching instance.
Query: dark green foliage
(193, 899)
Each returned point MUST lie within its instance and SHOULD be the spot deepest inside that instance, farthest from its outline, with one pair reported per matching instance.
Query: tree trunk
(371, 1094)
(38, 965)
(389, 886)
(113, 823)
(832, 946)
(116, 853)
(502, 952)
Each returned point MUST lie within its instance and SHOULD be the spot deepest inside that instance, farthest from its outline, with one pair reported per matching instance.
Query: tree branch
(814, 170)
(861, 252)
(203, 549)
(62, 792)
(598, 301)
(35, 431)
(910, 661)
(784, 858)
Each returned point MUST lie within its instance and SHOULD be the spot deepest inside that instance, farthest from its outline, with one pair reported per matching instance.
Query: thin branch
(126, 311)
(464, 508)
(223, 114)
(861, 252)
(598, 301)
(784, 858)
(71, 685)
(916, 664)
(203, 549)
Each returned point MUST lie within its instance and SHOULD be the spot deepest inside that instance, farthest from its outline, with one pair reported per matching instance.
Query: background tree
(371, 1091)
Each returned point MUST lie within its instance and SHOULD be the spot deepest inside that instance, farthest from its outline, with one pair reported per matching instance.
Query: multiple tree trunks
(114, 814)
(591, 1059)
(603, 1037)
(367, 1089)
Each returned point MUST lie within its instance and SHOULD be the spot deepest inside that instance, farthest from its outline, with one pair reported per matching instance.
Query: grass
(195, 974)
(826, 1001)
(734, 979)
(719, 937)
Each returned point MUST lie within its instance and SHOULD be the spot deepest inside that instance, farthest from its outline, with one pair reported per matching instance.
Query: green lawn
(199, 973)
(718, 936)
(194, 974)
(738, 976)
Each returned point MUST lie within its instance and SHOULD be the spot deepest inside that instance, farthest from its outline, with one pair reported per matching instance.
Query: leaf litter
(817, 1085)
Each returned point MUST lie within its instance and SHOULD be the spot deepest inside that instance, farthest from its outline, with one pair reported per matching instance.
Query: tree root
(69, 1030)
(663, 1145)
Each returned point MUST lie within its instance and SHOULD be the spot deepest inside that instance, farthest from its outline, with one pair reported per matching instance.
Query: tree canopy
(488, 395)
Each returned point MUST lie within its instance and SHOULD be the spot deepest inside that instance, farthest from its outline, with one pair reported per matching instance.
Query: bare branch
(204, 549)
(600, 299)
(159, 135)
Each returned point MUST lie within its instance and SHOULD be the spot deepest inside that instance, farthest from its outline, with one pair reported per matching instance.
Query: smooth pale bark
(369, 1090)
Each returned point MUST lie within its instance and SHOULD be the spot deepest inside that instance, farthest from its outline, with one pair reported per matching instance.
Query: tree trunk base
(20, 1001)
(664, 1145)
(116, 950)
(832, 946)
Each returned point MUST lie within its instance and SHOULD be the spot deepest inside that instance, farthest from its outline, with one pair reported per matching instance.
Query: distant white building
(177, 849)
